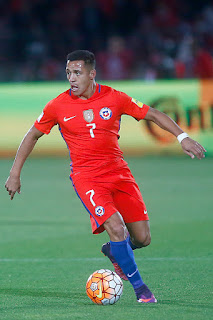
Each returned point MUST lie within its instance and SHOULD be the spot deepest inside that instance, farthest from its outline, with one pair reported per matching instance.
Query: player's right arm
(13, 183)
(42, 125)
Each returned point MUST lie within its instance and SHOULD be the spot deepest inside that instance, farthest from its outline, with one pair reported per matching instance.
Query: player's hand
(193, 148)
(13, 185)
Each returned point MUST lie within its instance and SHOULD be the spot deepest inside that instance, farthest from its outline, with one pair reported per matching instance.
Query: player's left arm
(189, 146)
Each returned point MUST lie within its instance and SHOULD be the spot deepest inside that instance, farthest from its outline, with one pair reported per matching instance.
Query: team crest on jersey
(139, 104)
(88, 115)
(105, 113)
(99, 211)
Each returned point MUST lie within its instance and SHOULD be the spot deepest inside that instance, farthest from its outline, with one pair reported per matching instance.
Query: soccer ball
(104, 287)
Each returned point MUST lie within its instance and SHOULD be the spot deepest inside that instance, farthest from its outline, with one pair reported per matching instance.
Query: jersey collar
(97, 91)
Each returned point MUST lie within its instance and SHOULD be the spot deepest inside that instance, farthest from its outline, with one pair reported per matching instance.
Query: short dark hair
(85, 55)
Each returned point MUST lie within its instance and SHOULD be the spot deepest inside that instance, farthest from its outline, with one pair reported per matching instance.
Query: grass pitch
(47, 251)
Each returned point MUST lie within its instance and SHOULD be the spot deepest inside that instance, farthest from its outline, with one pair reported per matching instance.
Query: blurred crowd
(132, 39)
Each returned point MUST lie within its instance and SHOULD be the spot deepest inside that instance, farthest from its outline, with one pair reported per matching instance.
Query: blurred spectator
(143, 39)
(165, 16)
(116, 60)
(203, 67)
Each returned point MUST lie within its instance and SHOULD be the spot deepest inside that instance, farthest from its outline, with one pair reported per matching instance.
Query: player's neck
(89, 92)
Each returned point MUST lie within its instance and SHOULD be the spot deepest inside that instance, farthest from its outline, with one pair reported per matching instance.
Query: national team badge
(88, 115)
(99, 211)
(139, 104)
(105, 113)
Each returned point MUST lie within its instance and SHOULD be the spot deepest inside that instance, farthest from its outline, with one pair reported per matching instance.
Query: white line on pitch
(40, 260)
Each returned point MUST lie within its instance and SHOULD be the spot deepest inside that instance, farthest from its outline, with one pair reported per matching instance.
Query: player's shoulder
(108, 89)
(57, 100)
(62, 96)
(112, 91)
(103, 89)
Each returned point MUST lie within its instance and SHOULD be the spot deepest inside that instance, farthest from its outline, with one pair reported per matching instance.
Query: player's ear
(92, 74)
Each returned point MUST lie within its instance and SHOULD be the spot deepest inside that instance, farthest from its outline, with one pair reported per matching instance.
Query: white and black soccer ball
(104, 287)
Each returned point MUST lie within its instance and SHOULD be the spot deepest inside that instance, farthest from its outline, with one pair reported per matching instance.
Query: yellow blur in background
(188, 102)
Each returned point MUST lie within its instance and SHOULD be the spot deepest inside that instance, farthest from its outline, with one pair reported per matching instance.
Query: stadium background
(158, 51)
(140, 42)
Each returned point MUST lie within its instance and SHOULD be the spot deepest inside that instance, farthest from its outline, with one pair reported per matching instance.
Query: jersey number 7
(93, 126)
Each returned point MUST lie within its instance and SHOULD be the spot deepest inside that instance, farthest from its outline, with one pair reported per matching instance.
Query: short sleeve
(47, 118)
(132, 107)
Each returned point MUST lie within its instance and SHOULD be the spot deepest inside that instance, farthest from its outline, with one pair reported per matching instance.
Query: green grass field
(47, 251)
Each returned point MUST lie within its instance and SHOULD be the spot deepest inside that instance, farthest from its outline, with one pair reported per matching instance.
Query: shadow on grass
(186, 303)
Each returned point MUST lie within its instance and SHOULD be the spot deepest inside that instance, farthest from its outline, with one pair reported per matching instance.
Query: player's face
(81, 78)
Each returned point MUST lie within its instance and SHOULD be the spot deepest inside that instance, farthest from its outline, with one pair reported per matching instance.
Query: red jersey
(90, 127)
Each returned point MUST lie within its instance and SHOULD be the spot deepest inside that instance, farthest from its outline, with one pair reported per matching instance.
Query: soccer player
(88, 116)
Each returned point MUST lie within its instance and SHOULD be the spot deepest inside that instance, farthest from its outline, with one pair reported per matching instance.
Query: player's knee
(147, 240)
(143, 240)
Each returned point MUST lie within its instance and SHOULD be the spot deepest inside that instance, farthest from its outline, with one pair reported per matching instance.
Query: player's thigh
(129, 202)
(97, 200)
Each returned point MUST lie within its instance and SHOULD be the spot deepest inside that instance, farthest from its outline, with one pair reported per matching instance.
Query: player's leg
(116, 227)
(106, 248)
(97, 200)
(139, 234)
(123, 255)
(129, 202)
(139, 237)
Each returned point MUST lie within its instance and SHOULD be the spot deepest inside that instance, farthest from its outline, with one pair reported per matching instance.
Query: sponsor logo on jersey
(105, 113)
(99, 211)
(41, 115)
(88, 115)
(67, 119)
(139, 104)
